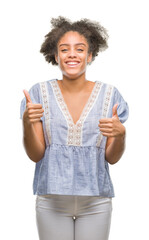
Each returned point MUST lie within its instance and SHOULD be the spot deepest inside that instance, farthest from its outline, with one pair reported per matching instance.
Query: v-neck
(86, 108)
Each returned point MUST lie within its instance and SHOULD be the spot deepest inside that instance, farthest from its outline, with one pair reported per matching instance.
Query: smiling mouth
(72, 64)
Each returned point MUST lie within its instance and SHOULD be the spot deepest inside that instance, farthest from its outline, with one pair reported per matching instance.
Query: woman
(72, 131)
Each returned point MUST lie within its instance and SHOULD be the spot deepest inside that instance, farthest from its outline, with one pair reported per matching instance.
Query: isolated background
(23, 25)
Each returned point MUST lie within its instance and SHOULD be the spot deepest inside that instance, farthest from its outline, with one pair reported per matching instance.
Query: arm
(114, 149)
(115, 132)
(33, 137)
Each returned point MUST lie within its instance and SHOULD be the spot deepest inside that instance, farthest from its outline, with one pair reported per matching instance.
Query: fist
(33, 112)
(112, 127)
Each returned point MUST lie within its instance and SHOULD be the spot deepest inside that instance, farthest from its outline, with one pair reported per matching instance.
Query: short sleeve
(35, 97)
(122, 109)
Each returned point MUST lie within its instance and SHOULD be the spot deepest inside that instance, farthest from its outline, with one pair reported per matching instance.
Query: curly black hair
(95, 34)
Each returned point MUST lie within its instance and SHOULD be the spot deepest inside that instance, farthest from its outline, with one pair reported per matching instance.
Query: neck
(74, 85)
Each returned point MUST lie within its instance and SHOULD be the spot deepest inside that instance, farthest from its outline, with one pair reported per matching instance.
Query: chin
(74, 75)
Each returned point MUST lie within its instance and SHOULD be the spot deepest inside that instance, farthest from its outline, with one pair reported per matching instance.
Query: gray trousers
(64, 217)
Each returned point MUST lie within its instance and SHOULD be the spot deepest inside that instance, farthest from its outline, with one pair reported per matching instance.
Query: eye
(64, 50)
(80, 50)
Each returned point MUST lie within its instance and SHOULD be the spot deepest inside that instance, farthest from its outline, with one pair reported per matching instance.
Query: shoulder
(104, 84)
(106, 89)
(115, 93)
(37, 86)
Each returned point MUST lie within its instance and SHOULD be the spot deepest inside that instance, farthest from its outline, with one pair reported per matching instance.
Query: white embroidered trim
(45, 100)
(106, 105)
(74, 136)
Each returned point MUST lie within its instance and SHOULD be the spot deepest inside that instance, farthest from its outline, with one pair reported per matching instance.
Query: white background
(124, 64)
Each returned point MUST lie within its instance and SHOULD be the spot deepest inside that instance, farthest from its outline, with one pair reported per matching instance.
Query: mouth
(72, 63)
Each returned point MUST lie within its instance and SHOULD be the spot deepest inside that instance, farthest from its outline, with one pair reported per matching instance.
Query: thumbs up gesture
(33, 112)
(112, 127)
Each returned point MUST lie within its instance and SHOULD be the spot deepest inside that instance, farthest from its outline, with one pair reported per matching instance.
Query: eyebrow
(66, 44)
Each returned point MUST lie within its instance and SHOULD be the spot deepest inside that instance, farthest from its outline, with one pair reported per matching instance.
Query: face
(72, 54)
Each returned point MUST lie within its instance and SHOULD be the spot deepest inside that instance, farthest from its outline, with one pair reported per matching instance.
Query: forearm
(33, 146)
(115, 149)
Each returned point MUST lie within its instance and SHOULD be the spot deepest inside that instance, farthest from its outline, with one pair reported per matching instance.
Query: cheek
(61, 64)
(61, 58)
(85, 59)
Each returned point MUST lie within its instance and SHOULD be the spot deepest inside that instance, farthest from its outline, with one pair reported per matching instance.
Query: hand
(33, 112)
(112, 127)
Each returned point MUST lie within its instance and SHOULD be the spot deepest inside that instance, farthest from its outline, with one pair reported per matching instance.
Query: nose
(72, 53)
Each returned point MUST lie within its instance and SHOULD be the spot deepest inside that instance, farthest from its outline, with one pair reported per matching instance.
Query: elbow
(113, 161)
(35, 158)
(115, 158)
(35, 153)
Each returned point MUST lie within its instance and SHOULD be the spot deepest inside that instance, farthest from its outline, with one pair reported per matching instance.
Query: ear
(56, 58)
(89, 58)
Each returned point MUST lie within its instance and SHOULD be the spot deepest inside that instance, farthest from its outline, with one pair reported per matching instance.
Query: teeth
(72, 63)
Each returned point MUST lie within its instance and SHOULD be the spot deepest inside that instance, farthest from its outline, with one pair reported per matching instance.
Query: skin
(33, 137)
(72, 48)
(115, 132)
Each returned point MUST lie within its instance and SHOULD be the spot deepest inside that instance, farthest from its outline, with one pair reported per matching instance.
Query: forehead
(72, 38)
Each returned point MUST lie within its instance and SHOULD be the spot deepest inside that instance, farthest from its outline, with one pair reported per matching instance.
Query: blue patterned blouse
(74, 160)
